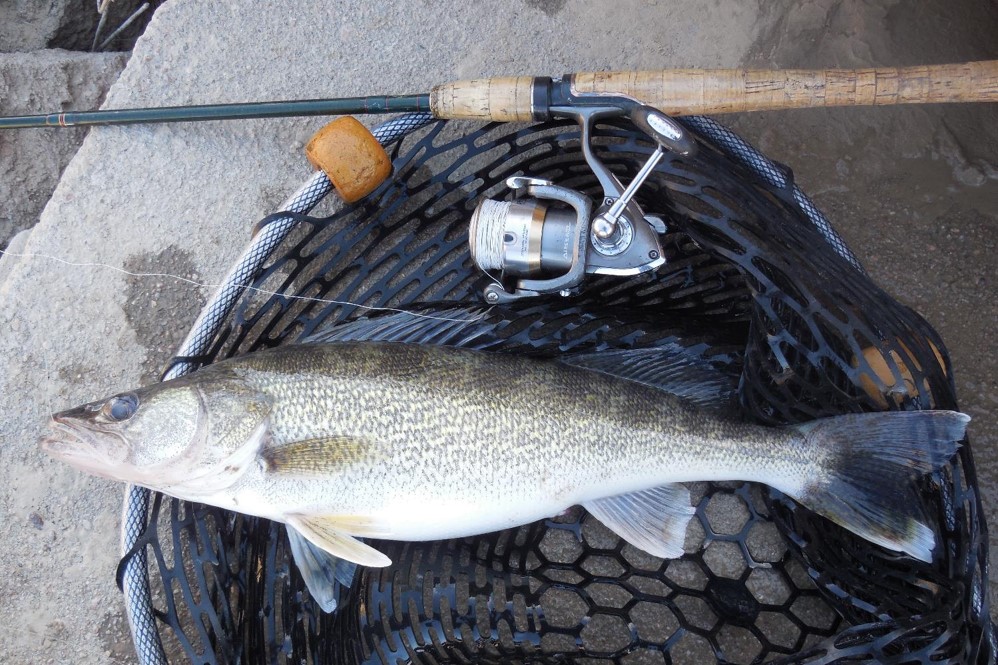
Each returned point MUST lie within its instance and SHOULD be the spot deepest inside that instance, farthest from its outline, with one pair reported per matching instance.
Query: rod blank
(342, 106)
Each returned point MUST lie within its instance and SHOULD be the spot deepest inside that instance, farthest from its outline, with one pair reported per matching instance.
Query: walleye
(352, 440)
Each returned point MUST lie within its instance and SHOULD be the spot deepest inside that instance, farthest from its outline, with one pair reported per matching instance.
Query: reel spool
(535, 239)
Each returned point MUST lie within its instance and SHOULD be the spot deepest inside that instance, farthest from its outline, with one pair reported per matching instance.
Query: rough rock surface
(913, 191)
(30, 25)
(32, 160)
(26, 25)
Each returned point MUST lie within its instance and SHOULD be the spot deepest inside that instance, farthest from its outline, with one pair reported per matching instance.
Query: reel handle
(709, 91)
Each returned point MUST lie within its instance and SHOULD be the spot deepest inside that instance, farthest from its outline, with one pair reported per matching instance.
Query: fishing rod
(672, 91)
(545, 238)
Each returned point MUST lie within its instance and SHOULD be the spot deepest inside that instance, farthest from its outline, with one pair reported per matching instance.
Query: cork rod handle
(506, 99)
(706, 91)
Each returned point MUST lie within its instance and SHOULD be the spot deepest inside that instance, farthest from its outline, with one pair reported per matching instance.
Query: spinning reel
(550, 237)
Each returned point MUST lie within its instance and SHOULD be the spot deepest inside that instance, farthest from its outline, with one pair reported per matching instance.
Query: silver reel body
(550, 237)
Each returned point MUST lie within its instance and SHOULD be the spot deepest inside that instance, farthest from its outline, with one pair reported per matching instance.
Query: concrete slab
(180, 199)
(31, 161)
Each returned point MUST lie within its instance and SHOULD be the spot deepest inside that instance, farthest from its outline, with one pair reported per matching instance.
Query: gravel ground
(914, 191)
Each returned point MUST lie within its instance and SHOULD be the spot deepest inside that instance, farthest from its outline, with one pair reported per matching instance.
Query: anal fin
(326, 533)
(652, 520)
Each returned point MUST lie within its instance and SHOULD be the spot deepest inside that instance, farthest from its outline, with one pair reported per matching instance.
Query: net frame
(747, 283)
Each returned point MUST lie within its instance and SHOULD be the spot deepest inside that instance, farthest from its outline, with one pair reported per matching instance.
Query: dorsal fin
(452, 326)
(673, 369)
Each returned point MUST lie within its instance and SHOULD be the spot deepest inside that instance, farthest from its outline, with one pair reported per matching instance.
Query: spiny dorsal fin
(452, 326)
(319, 456)
(325, 532)
(321, 571)
(652, 520)
(673, 369)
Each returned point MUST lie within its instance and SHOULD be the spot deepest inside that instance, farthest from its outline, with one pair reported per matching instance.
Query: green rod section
(342, 106)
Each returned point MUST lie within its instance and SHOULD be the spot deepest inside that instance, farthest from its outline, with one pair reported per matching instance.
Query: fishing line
(487, 233)
(248, 287)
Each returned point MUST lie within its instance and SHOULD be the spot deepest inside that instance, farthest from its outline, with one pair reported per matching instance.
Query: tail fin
(866, 485)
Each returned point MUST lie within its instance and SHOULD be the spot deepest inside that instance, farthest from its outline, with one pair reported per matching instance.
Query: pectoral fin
(322, 572)
(652, 520)
(326, 533)
(320, 456)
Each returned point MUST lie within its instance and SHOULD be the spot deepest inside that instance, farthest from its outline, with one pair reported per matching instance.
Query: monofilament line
(486, 234)
(248, 287)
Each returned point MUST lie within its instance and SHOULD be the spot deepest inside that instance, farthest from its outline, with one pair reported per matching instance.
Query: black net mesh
(749, 286)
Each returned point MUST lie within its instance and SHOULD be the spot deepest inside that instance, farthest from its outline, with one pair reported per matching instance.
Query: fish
(348, 441)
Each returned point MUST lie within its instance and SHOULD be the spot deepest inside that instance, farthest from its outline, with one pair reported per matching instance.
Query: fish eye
(121, 407)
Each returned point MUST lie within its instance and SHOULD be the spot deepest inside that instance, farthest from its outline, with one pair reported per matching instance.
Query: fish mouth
(62, 439)
(79, 448)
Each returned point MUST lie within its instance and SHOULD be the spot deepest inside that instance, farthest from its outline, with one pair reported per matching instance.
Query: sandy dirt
(914, 191)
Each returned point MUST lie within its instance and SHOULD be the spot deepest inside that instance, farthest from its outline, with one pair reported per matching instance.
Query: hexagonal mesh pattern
(749, 286)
